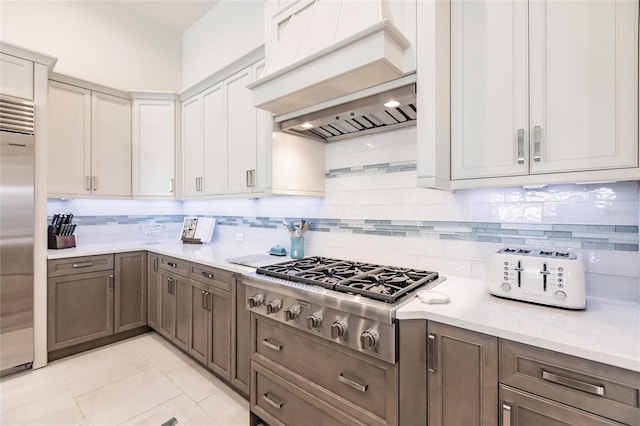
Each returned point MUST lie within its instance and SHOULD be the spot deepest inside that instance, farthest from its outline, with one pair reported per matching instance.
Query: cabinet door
(154, 290)
(220, 335)
(463, 377)
(154, 148)
(241, 132)
(16, 77)
(524, 409)
(182, 294)
(199, 322)
(215, 141)
(240, 326)
(69, 140)
(110, 146)
(489, 102)
(79, 308)
(192, 147)
(167, 304)
(584, 93)
(130, 306)
(264, 134)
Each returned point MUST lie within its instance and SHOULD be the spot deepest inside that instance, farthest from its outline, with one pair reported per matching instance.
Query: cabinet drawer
(79, 265)
(362, 381)
(608, 391)
(524, 409)
(175, 265)
(280, 403)
(214, 277)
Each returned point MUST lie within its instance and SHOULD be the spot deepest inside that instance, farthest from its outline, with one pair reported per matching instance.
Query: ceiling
(175, 14)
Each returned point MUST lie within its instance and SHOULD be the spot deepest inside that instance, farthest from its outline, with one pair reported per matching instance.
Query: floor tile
(57, 409)
(196, 382)
(182, 408)
(227, 408)
(28, 386)
(162, 355)
(119, 401)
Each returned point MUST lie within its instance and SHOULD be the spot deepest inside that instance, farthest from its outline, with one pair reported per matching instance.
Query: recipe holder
(56, 242)
(186, 240)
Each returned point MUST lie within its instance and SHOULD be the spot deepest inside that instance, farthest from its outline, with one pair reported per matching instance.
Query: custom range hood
(384, 107)
(327, 49)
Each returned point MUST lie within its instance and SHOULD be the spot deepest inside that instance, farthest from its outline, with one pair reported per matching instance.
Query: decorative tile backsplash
(368, 169)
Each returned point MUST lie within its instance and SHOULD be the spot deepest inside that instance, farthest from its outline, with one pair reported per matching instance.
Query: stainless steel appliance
(17, 144)
(547, 277)
(351, 304)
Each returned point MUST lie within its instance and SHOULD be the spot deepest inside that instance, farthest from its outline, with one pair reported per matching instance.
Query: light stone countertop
(608, 331)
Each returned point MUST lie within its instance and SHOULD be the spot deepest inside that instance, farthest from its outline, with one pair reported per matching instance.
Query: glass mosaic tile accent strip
(603, 237)
(400, 166)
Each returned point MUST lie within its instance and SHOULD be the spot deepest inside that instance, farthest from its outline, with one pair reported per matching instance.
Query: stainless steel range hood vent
(359, 117)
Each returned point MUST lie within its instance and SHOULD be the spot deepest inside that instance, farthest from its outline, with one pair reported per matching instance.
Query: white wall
(97, 41)
(228, 31)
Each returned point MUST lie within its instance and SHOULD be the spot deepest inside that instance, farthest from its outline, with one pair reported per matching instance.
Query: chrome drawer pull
(208, 275)
(537, 141)
(82, 265)
(506, 415)
(520, 146)
(270, 345)
(431, 352)
(172, 264)
(272, 402)
(574, 384)
(352, 383)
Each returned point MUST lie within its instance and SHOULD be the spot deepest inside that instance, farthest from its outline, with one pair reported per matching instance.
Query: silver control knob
(292, 312)
(369, 339)
(561, 295)
(505, 287)
(338, 329)
(273, 306)
(256, 300)
(314, 320)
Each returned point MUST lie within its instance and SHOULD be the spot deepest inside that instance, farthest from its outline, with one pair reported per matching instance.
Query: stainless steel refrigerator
(17, 147)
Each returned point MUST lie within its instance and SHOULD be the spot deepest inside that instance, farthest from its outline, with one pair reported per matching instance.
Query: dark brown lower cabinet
(154, 290)
(175, 308)
(462, 377)
(130, 293)
(79, 308)
(210, 328)
(92, 297)
(519, 408)
(240, 337)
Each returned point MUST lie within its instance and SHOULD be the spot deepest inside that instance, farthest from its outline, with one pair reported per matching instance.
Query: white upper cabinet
(215, 141)
(154, 144)
(192, 147)
(241, 133)
(16, 77)
(69, 140)
(89, 143)
(543, 87)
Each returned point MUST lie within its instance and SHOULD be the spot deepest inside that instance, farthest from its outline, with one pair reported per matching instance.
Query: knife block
(57, 242)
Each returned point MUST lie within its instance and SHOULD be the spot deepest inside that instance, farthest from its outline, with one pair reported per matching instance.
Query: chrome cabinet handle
(247, 178)
(520, 146)
(208, 275)
(253, 178)
(431, 353)
(271, 401)
(112, 283)
(506, 415)
(82, 265)
(155, 264)
(95, 183)
(270, 345)
(170, 185)
(88, 183)
(170, 285)
(352, 383)
(172, 264)
(572, 383)
(202, 302)
(537, 141)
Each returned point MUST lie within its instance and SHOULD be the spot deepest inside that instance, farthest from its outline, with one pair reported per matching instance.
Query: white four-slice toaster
(553, 278)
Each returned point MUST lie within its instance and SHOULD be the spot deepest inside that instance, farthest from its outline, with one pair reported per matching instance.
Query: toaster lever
(519, 268)
(544, 272)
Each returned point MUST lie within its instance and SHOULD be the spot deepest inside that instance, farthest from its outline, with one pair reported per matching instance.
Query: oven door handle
(270, 345)
(352, 383)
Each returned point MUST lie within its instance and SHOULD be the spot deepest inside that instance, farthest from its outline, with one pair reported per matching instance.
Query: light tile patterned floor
(140, 381)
